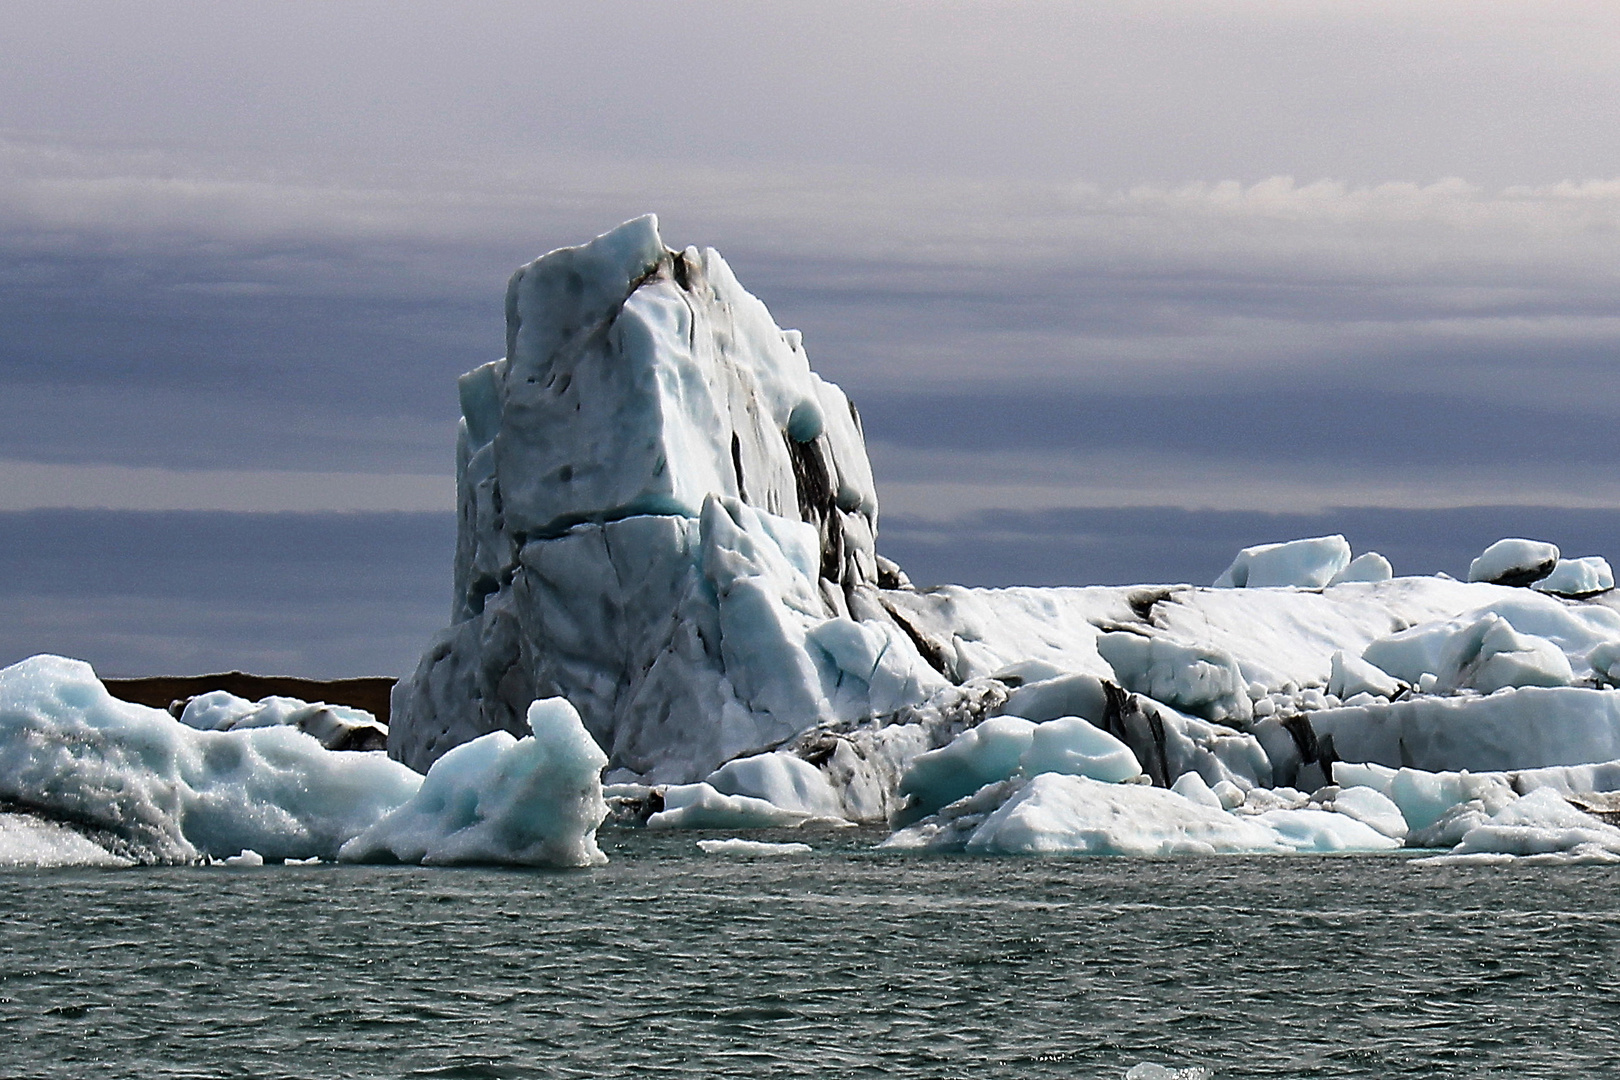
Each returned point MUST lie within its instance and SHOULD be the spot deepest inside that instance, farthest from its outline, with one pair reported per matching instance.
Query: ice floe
(535, 801)
(156, 790)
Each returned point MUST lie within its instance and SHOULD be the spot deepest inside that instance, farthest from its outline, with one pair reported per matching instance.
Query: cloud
(28, 485)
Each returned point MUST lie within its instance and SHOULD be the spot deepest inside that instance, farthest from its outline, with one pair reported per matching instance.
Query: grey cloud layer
(246, 240)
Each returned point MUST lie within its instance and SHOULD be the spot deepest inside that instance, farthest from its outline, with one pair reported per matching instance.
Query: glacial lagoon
(848, 961)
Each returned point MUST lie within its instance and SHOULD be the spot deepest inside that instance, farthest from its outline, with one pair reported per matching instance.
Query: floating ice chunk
(1230, 794)
(786, 780)
(1199, 679)
(1578, 577)
(1148, 1070)
(246, 857)
(1078, 747)
(1537, 823)
(1514, 562)
(1191, 786)
(534, 801)
(170, 793)
(1309, 564)
(1489, 655)
(26, 840)
(1351, 675)
(735, 846)
(979, 756)
(699, 806)
(1371, 808)
(1055, 813)
(1368, 566)
(1323, 831)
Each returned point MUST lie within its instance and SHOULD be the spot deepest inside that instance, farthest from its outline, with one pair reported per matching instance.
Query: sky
(1118, 287)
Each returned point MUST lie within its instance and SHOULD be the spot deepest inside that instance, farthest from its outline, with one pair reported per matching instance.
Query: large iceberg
(669, 520)
(665, 517)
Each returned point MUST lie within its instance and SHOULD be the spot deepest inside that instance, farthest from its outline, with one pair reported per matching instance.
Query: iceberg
(665, 515)
(535, 801)
(150, 789)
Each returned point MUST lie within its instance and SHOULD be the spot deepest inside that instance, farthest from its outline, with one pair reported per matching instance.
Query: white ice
(338, 727)
(1055, 813)
(735, 846)
(166, 792)
(700, 806)
(1514, 562)
(1578, 577)
(1309, 564)
(535, 801)
(26, 840)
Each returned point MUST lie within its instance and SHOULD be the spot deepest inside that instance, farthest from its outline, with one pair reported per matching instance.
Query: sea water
(848, 961)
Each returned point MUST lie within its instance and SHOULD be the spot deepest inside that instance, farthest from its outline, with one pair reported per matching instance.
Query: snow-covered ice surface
(535, 801)
(338, 727)
(1514, 562)
(150, 789)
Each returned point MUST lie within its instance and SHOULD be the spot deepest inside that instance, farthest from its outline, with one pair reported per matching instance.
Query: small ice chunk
(1189, 785)
(1230, 794)
(1514, 562)
(1578, 577)
(734, 846)
(783, 779)
(1368, 566)
(1371, 808)
(1351, 675)
(1148, 1070)
(1080, 748)
(246, 857)
(535, 801)
(313, 860)
(700, 806)
(1309, 564)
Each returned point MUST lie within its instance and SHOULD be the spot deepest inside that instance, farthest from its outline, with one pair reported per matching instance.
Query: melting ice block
(535, 801)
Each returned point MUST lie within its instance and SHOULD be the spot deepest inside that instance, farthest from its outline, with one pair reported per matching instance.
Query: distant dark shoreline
(370, 694)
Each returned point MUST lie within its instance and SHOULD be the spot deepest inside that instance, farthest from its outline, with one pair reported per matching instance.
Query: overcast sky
(1178, 257)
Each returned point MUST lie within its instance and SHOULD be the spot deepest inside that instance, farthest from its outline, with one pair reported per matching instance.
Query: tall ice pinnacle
(658, 503)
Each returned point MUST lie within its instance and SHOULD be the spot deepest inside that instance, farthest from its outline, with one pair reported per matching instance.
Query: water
(845, 963)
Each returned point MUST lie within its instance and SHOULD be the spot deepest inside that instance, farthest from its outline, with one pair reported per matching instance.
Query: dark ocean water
(847, 962)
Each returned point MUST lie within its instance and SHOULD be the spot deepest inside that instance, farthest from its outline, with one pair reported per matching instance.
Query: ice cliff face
(665, 517)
